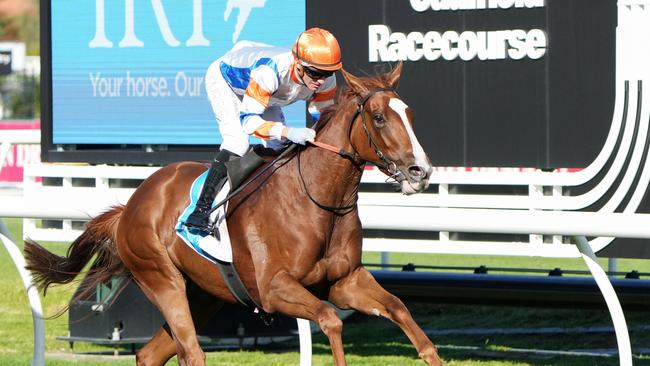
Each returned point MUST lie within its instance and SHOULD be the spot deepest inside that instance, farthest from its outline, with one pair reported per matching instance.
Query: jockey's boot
(200, 218)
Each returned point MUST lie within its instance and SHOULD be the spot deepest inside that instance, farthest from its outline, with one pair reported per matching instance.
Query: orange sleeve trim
(326, 95)
(255, 91)
(264, 130)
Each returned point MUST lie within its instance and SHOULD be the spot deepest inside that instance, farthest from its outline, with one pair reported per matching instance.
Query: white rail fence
(66, 201)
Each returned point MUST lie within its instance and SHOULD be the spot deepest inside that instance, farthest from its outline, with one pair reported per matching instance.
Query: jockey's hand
(300, 135)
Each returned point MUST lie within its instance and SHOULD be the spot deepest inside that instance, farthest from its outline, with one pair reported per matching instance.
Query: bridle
(385, 164)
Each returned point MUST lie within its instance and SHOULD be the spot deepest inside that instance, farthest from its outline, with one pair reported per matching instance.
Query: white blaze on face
(418, 152)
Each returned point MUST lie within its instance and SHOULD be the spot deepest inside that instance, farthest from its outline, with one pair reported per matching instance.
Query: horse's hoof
(430, 356)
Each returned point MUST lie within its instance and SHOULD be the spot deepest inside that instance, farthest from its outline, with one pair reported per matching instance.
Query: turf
(368, 341)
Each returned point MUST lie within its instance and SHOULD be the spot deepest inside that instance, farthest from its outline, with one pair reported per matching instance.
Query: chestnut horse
(295, 230)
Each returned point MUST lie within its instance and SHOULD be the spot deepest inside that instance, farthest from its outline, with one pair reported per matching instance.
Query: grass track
(368, 341)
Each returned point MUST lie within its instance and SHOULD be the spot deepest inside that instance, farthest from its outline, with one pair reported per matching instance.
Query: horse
(295, 229)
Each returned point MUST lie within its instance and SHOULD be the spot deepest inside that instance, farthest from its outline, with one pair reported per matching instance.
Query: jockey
(247, 88)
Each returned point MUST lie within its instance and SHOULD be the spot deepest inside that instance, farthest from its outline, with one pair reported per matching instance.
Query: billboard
(11, 169)
(5, 62)
(12, 57)
(127, 74)
(493, 83)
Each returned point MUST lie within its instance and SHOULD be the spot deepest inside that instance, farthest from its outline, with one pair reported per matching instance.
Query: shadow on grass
(365, 336)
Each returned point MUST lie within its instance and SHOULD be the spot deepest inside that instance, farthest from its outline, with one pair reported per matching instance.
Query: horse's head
(382, 131)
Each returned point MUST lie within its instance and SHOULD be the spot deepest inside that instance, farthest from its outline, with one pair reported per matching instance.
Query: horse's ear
(355, 83)
(394, 75)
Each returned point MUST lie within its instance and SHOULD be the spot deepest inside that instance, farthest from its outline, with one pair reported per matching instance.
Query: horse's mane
(346, 94)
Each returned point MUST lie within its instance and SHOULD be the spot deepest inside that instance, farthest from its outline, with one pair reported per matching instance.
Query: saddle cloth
(212, 247)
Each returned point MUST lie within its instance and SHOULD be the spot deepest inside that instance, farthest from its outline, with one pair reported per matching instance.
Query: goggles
(317, 74)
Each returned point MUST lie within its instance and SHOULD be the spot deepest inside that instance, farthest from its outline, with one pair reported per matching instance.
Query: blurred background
(19, 59)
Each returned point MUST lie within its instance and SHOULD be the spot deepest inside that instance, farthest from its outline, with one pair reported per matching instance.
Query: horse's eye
(378, 118)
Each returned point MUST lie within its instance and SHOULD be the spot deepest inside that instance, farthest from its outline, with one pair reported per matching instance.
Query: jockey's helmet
(318, 48)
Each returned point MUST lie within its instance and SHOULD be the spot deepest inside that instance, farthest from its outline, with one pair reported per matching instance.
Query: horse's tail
(98, 239)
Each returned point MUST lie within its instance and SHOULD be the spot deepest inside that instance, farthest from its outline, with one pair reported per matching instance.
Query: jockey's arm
(263, 83)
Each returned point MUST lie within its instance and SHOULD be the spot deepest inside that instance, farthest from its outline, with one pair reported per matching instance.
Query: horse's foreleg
(288, 296)
(158, 350)
(162, 346)
(361, 291)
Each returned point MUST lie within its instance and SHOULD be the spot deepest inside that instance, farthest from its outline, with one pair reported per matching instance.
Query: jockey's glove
(300, 135)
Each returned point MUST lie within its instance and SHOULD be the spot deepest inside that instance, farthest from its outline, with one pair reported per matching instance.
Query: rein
(342, 210)
(333, 149)
(386, 164)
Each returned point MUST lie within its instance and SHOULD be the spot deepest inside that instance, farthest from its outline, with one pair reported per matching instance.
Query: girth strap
(238, 290)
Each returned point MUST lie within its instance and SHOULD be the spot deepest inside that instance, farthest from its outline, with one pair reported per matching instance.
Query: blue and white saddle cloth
(208, 246)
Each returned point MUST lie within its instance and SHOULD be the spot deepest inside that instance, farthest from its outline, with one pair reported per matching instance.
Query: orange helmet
(318, 48)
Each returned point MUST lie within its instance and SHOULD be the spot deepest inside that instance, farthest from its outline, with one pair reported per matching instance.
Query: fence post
(304, 333)
(614, 306)
(34, 301)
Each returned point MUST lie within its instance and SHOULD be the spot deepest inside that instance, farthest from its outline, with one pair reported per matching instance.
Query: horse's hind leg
(286, 295)
(166, 290)
(160, 280)
(162, 346)
(361, 291)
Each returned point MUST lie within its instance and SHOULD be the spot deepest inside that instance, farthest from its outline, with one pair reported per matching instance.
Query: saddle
(241, 168)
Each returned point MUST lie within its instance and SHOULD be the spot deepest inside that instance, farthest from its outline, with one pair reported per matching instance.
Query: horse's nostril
(417, 172)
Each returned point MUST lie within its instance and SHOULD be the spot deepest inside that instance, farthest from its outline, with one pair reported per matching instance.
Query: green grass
(368, 341)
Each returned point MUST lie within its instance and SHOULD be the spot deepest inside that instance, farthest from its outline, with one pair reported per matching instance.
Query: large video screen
(491, 83)
(131, 72)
